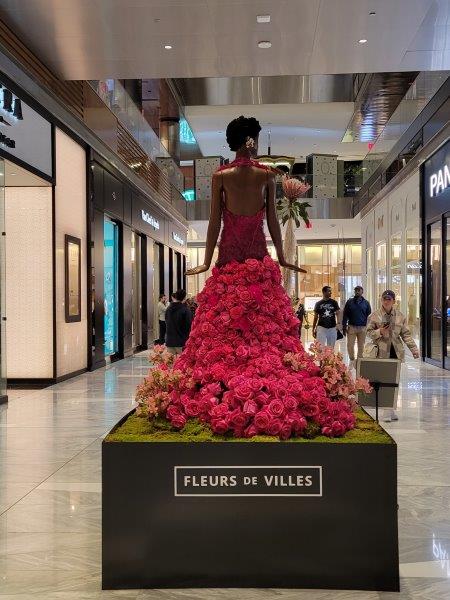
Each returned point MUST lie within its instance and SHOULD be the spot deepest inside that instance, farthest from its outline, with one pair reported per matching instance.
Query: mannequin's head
(242, 135)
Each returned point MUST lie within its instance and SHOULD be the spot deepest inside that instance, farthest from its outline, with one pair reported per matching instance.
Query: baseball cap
(388, 294)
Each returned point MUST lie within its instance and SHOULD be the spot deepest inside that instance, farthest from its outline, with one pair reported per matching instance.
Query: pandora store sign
(247, 481)
(439, 181)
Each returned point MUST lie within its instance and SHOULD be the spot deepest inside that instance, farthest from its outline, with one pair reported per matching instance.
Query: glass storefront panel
(156, 288)
(111, 289)
(2, 284)
(396, 269)
(413, 281)
(381, 270)
(369, 278)
(447, 292)
(136, 289)
(435, 291)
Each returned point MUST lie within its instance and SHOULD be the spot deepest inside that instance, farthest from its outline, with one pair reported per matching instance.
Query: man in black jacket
(178, 323)
(354, 323)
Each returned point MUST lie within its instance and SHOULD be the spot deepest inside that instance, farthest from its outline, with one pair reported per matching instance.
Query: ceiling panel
(94, 39)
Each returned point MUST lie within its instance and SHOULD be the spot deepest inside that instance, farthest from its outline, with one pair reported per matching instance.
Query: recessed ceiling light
(13, 174)
(263, 18)
(362, 41)
(168, 47)
(264, 44)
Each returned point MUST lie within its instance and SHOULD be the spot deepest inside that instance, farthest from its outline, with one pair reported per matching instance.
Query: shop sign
(439, 181)
(148, 218)
(177, 238)
(25, 135)
(247, 481)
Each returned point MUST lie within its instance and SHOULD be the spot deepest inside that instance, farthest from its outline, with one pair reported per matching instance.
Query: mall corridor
(50, 490)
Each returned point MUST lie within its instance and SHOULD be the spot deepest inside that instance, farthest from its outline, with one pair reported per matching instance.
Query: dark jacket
(356, 312)
(178, 323)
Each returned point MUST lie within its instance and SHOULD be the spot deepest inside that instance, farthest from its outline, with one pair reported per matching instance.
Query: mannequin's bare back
(244, 189)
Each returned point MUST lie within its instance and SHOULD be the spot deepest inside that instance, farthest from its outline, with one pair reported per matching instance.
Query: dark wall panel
(148, 292)
(113, 195)
(126, 293)
(97, 179)
(164, 272)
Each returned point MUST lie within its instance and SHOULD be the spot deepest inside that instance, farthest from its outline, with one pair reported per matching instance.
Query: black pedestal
(295, 515)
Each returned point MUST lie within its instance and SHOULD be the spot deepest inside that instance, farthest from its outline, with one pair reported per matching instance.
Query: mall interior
(113, 116)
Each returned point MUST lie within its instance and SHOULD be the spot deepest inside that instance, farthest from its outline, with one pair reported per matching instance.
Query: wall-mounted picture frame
(72, 257)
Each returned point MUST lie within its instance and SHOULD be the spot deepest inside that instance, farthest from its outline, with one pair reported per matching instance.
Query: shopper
(388, 330)
(354, 323)
(162, 307)
(301, 315)
(326, 318)
(178, 323)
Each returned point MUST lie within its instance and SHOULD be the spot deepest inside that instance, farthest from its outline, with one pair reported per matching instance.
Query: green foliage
(292, 209)
(138, 429)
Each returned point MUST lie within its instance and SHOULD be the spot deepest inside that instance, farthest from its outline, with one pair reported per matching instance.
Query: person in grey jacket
(388, 329)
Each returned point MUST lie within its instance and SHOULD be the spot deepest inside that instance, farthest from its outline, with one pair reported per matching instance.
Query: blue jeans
(327, 336)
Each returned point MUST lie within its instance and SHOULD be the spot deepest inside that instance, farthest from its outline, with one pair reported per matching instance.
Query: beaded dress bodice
(242, 235)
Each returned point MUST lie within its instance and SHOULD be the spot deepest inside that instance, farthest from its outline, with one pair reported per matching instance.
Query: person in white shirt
(162, 307)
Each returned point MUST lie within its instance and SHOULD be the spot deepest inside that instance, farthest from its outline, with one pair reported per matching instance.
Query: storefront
(436, 250)
(137, 253)
(43, 250)
(391, 250)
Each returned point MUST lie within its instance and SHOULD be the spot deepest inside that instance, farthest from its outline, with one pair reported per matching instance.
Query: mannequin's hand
(287, 265)
(197, 270)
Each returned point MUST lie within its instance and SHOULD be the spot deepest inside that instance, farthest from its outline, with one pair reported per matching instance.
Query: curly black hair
(240, 129)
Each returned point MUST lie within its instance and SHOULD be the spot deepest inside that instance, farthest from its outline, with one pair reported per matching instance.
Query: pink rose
(274, 427)
(253, 264)
(219, 411)
(178, 421)
(243, 392)
(286, 431)
(250, 431)
(242, 352)
(337, 428)
(236, 312)
(262, 420)
(219, 426)
(192, 408)
(276, 408)
(250, 408)
(238, 419)
(290, 403)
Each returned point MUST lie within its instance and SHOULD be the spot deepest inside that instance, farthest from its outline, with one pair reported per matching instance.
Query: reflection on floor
(50, 490)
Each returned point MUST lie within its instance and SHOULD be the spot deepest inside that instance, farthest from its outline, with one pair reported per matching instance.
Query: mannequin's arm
(213, 226)
(274, 227)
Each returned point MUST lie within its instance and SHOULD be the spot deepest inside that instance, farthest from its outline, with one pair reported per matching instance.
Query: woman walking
(388, 329)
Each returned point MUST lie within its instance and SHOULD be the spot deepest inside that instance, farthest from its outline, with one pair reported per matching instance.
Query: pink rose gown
(238, 372)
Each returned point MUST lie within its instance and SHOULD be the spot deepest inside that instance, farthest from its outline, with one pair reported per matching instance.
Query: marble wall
(70, 218)
(29, 298)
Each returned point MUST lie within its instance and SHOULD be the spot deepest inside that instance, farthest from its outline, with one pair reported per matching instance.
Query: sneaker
(387, 419)
(394, 416)
(387, 415)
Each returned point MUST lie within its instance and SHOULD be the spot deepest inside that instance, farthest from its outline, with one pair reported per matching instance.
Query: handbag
(340, 335)
(371, 350)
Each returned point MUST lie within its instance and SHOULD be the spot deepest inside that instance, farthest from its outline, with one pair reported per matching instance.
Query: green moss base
(138, 429)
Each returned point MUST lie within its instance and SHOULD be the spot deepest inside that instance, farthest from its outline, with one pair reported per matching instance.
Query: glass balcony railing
(115, 96)
(419, 94)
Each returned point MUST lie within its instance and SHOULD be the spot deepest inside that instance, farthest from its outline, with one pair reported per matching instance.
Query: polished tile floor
(50, 502)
